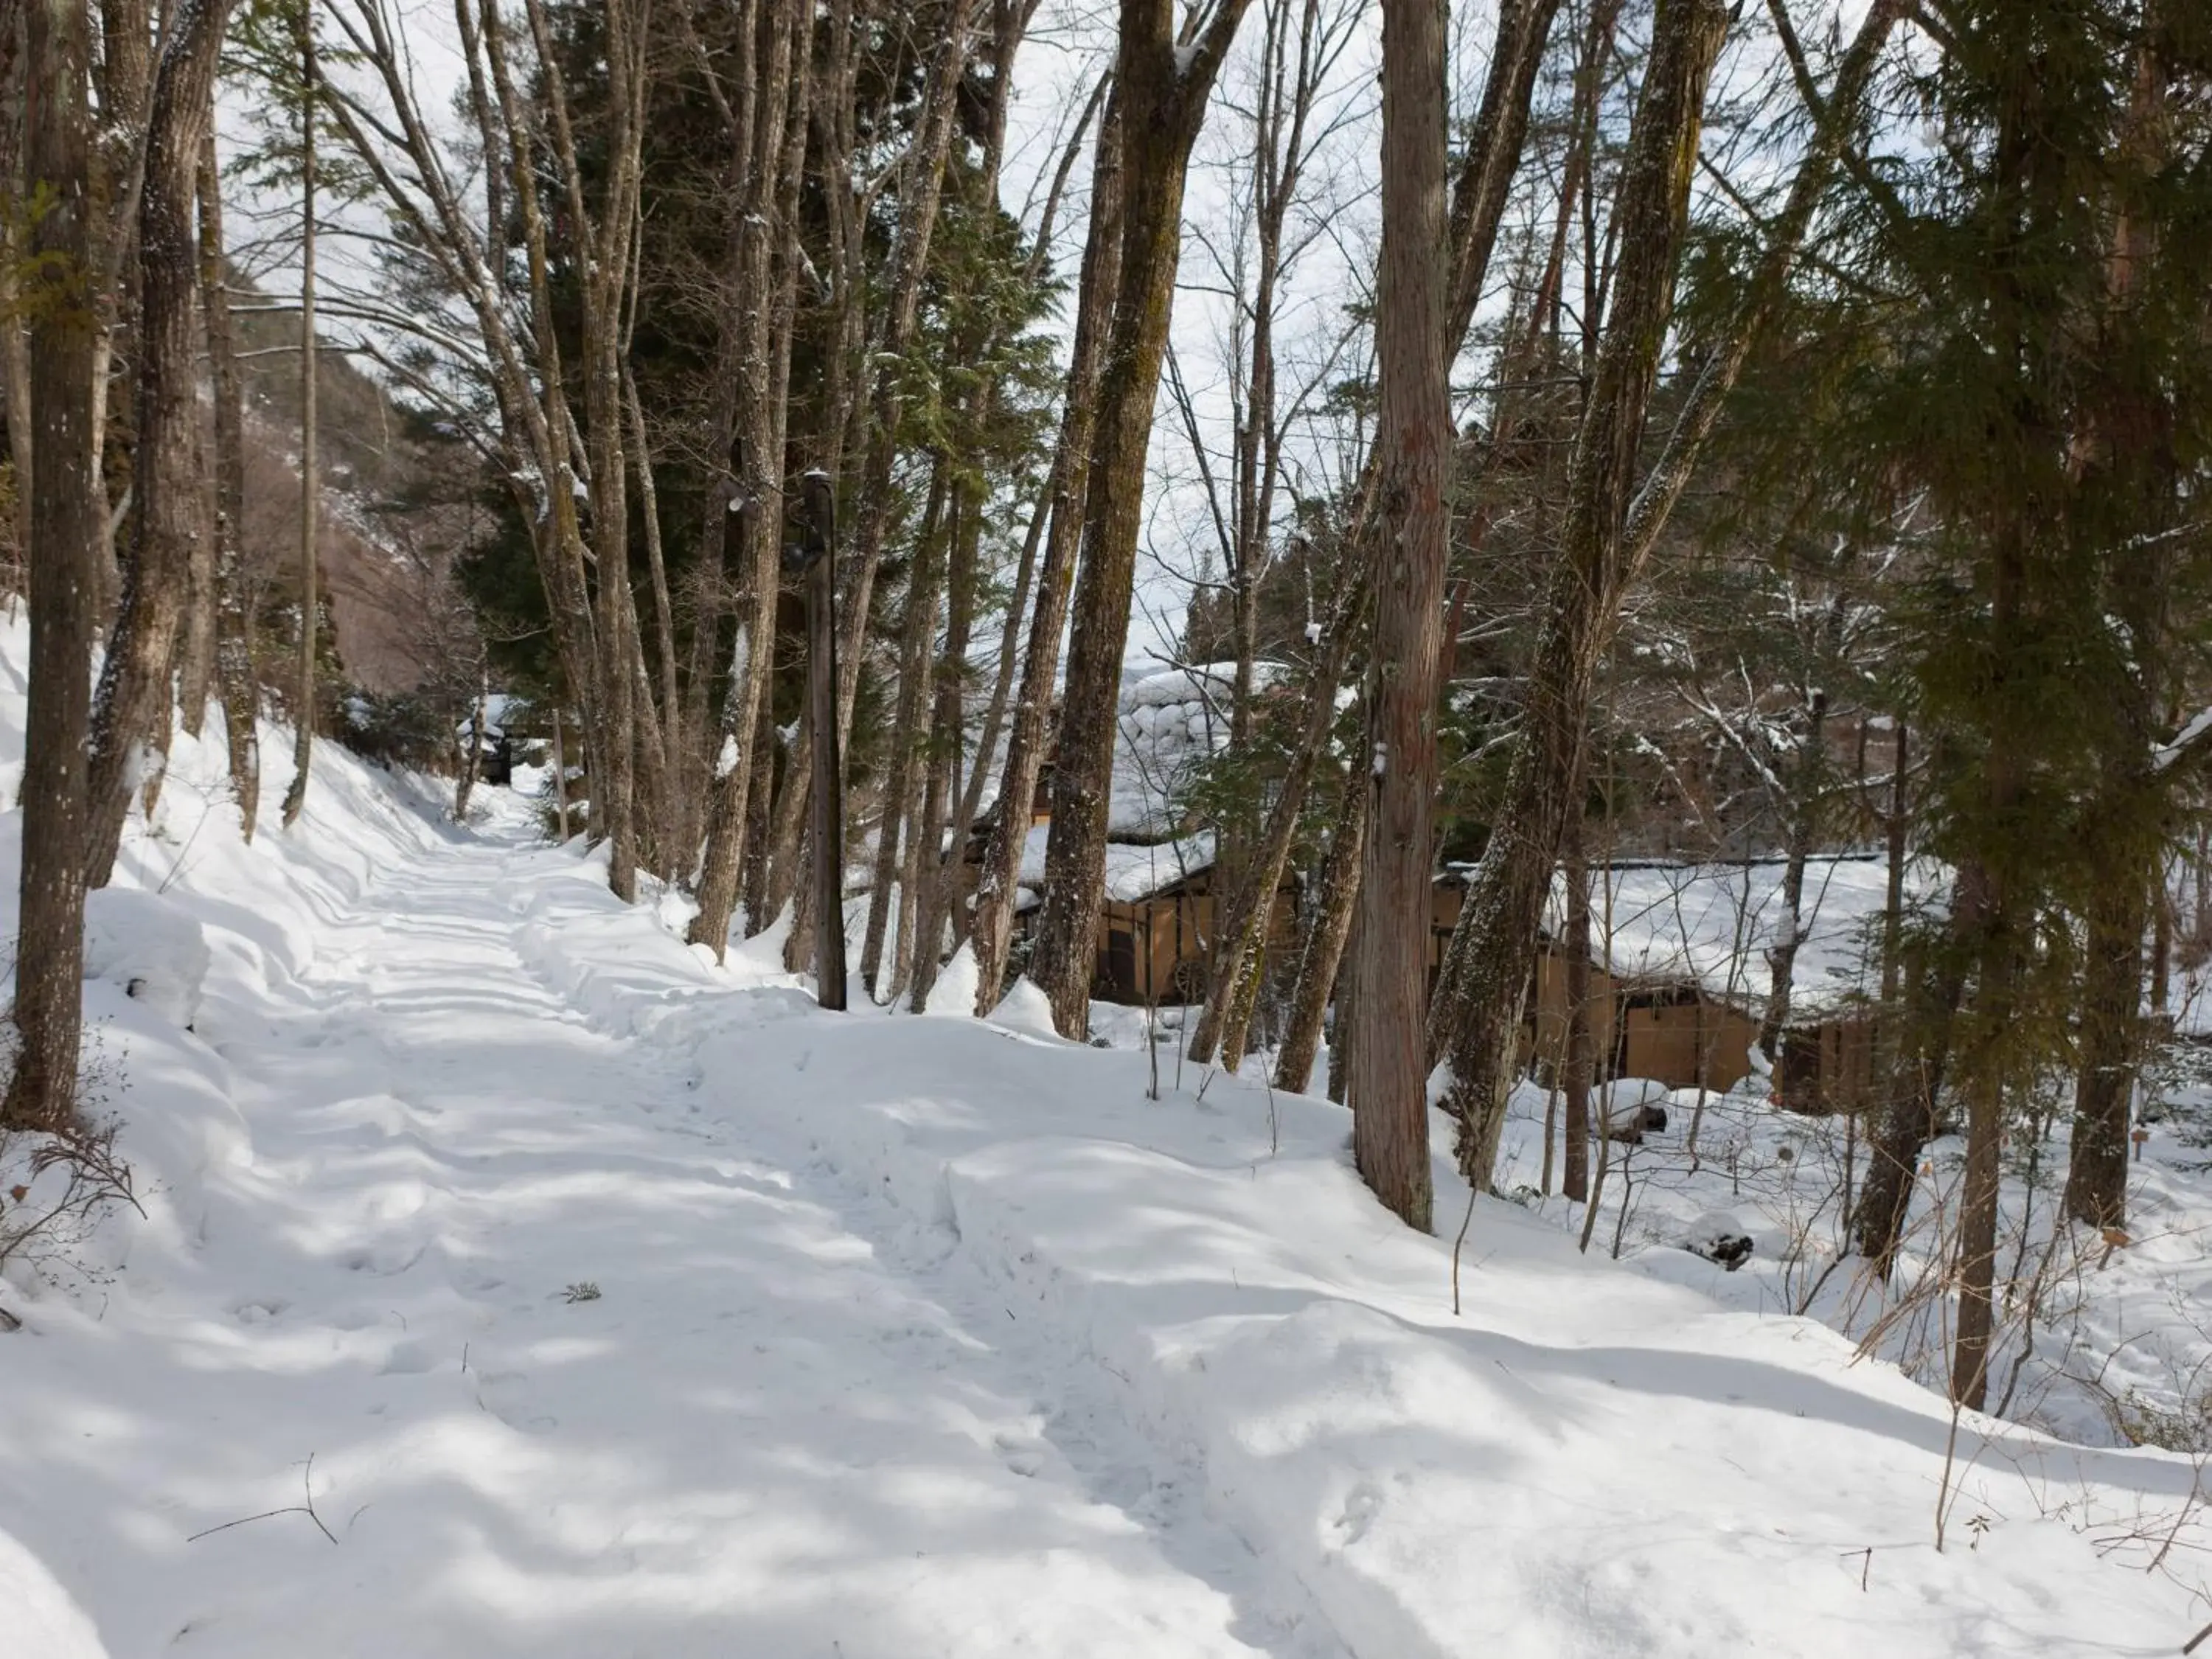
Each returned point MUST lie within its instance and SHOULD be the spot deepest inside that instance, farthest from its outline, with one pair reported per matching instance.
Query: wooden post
(818, 558)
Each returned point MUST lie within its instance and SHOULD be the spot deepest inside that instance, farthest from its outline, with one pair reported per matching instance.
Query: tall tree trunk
(67, 540)
(196, 653)
(2129, 449)
(15, 333)
(991, 930)
(1493, 950)
(1578, 1068)
(942, 747)
(668, 832)
(196, 649)
(560, 781)
(768, 262)
(1010, 21)
(303, 711)
(760, 802)
(924, 189)
(235, 675)
(1388, 1085)
(1345, 1042)
(2111, 1041)
(465, 780)
(123, 76)
(882, 404)
(903, 783)
(1995, 997)
(1922, 1066)
(1328, 930)
(1893, 1144)
(1163, 89)
(135, 689)
(1480, 196)
(1804, 836)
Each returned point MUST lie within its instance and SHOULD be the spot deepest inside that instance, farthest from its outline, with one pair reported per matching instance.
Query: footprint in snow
(1022, 1456)
(492, 1388)
(386, 1261)
(1360, 1506)
(410, 1358)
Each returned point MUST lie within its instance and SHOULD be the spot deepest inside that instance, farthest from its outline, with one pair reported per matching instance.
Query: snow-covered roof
(1715, 923)
(1134, 870)
(1170, 721)
(495, 707)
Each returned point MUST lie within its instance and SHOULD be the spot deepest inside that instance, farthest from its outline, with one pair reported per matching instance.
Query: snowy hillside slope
(515, 1281)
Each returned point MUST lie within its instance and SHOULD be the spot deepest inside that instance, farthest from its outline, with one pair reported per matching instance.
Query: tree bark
(1345, 1042)
(234, 638)
(884, 403)
(1922, 1063)
(303, 710)
(942, 747)
(15, 334)
(1578, 1069)
(923, 193)
(196, 649)
(560, 781)
(1162, 89)
(1388, 1086)
(1997, 974)
(2110, 1040)
(668, 832)
(897, 822)
(768, 262)
(2128, 449)
(991, 930)
(1477, 209)
(1328, 930)
(1804, 834)
(135, 689)
(1493, 950)
(68, 539)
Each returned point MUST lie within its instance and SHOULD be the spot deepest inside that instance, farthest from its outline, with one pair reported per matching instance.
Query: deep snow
(911, 1336)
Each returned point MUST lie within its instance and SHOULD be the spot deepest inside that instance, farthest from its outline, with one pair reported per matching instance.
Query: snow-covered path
(763, 1436)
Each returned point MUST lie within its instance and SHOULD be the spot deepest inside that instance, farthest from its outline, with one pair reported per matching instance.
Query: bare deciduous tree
(132, 711)
(67, 536)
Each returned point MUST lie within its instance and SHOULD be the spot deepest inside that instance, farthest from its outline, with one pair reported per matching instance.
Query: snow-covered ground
(2102, 1341)
(515, 1281)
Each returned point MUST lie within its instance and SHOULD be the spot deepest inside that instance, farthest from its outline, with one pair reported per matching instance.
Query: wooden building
(1827, 1065)
(1665, 1026)
(1156, 929)
(1153, 947)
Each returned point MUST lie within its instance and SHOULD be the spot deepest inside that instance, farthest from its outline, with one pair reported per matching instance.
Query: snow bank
(151, 946)
(1634, 1468)
(953, 995)
(39, 1618)
(1025, 1008)
(188, 892)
